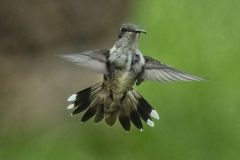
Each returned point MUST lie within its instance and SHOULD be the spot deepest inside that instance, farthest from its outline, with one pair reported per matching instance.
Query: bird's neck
(128, 43)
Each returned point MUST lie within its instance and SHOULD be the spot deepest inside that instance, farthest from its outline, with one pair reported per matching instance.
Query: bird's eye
(123, 29)
(121, 32)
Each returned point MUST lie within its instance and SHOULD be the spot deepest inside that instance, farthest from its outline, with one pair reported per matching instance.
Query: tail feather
(100, 114)
(80, 107)
(143, 115)
(134, 115)
(124, 119)
(82, 95)
(85, 97)
(136, 120)
(111, 117)
(80, 103)
(89, 114)
(143, 104)
(97, 101)
(92, 110)
(144, 108)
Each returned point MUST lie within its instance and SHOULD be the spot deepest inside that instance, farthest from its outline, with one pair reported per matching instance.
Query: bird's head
(128, 34)
(129, 30)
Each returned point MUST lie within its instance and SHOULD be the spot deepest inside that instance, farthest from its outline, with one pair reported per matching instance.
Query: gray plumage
(122, 66)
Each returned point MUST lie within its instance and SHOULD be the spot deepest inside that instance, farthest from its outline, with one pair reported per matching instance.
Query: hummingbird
(122, 66)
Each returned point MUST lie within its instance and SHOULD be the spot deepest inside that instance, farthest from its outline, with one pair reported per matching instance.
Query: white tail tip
(154, 114)
(70, 106)
(72, 97)
(150, 123)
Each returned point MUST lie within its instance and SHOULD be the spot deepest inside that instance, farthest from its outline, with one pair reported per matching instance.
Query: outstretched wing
(94, 60)
(158, 71)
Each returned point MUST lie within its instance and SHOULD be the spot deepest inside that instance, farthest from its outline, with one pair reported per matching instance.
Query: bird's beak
(140, 31)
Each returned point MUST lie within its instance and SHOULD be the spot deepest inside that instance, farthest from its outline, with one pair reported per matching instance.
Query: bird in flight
(121, 66)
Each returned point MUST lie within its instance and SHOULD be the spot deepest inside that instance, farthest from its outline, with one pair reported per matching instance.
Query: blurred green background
(199, 120)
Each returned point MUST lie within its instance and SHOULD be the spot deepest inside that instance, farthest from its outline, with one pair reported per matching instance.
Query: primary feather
(94, 60)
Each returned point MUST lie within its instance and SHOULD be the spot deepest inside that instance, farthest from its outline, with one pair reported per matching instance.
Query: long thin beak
(140, 31)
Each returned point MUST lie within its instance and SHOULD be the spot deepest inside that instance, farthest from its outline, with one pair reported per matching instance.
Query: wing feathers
(94, 60)
(158, 71)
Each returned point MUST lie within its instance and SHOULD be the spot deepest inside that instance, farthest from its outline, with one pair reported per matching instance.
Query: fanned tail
(90, 99)
(135, 108)
(97, 101)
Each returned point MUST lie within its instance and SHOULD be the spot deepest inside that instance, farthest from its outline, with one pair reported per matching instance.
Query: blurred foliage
(199, 120)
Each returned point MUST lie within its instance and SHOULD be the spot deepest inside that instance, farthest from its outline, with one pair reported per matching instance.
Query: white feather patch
(72, 97)
(150, 123)
(70, 106)
(154, 114)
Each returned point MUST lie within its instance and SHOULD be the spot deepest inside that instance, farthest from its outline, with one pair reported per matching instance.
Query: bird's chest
(121, 77)
(121, 59)
(121, 80)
